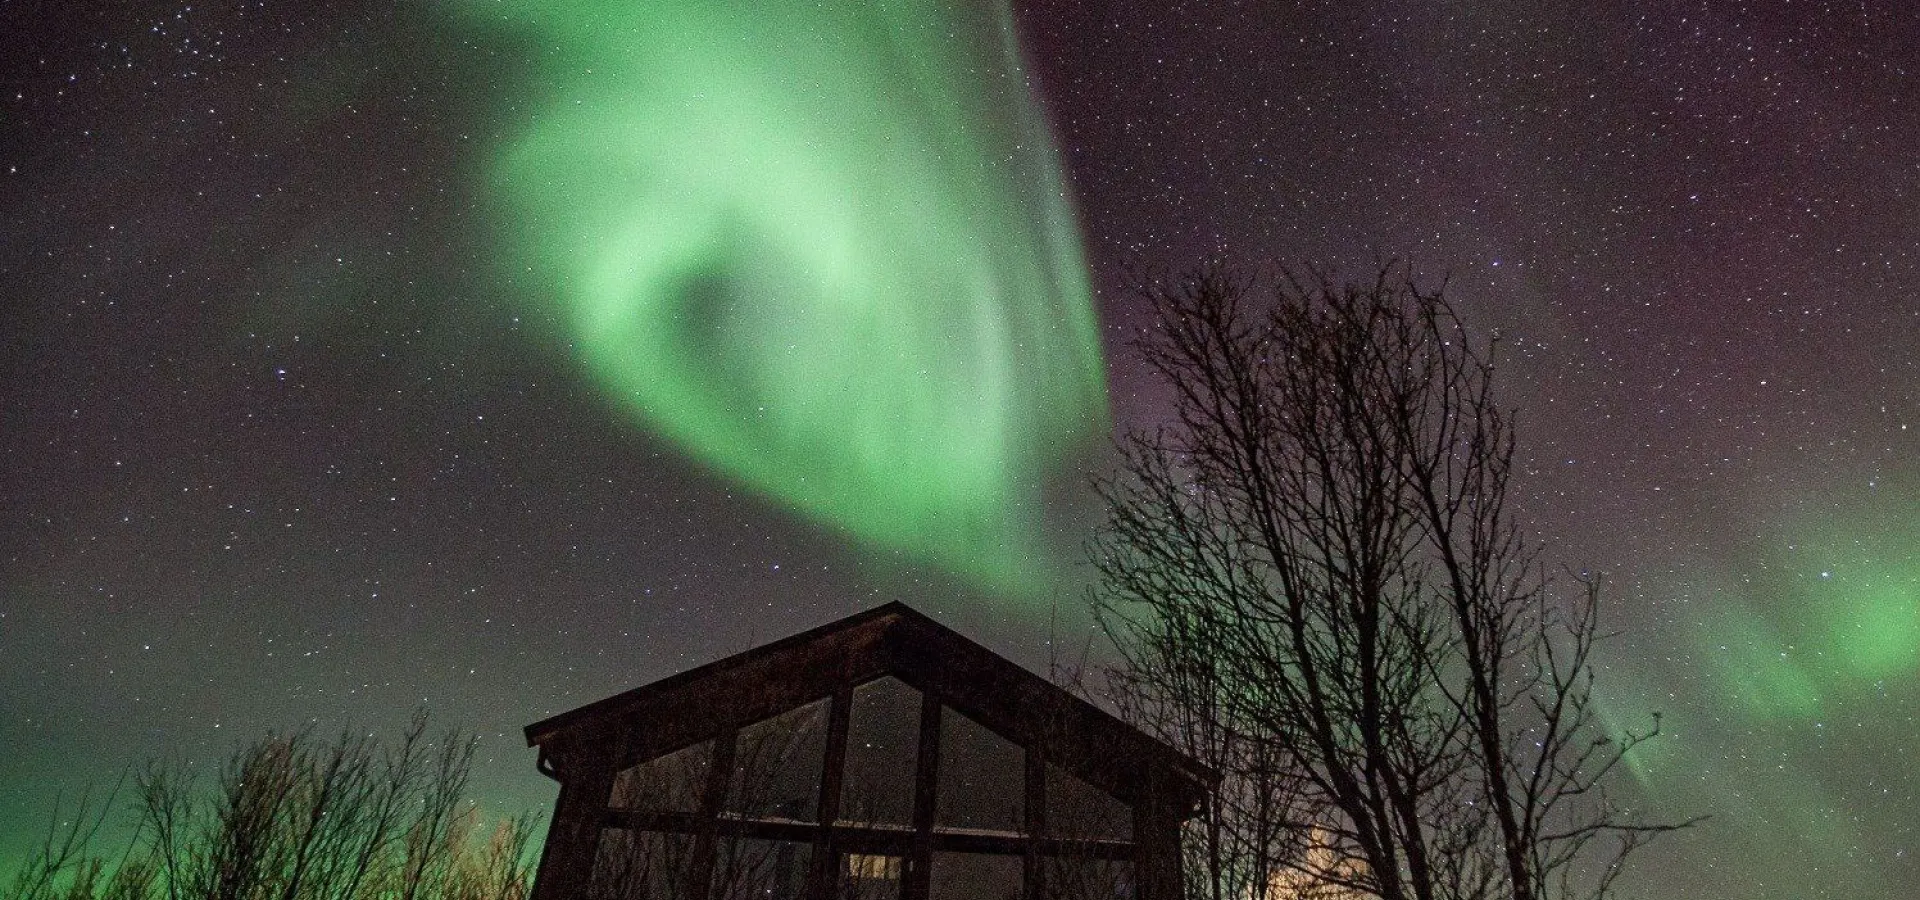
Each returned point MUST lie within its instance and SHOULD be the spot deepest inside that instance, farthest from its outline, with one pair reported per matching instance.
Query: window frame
(832, 840)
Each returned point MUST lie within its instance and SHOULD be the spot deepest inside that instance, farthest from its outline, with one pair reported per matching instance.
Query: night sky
(289, 433)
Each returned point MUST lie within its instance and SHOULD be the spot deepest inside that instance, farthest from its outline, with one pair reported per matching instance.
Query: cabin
(880, 756)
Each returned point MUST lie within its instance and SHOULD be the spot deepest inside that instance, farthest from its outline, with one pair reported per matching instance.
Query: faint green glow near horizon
(823, 247)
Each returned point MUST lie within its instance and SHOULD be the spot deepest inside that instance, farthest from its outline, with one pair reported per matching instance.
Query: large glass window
(767, 831)
(883, 746)
(643, 865)
(982, 778)
(1079, 878)
(776, 766)
(1079, 811)
(975, 876)
(671, 783)
(750, 869)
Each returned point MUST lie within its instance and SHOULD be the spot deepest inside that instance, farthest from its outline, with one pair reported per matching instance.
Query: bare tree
(295, 818)
(63, 867)
(1315, 580)
(1236, 844)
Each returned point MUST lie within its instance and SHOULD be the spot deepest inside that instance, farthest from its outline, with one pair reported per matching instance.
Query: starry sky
(284, 438)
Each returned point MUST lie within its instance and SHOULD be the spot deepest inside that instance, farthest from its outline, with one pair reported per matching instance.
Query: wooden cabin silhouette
(879, 756)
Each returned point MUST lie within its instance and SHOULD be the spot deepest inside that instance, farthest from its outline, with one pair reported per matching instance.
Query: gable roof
(893, 639)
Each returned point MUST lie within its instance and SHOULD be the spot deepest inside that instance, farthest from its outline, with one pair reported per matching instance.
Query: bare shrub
(291, 817)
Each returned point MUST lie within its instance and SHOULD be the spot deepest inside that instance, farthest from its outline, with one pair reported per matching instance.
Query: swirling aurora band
(823, 247)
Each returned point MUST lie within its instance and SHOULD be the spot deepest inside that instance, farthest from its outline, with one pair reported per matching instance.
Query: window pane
(883, 737)
(671, 783)
(982, 777)
(748, 869)
(975, 876)
(1076, 809)
(866, 876)
(1072, 878)
(777, 765)
(642, 865)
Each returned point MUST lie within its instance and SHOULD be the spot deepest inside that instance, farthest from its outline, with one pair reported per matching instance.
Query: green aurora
(825, 248)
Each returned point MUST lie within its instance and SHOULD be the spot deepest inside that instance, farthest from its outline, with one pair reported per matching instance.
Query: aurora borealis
(359, 356)
(841, 268)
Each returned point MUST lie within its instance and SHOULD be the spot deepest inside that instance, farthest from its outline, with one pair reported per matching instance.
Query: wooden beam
(926, 790)
(1033, 866)
(870, 839)
(573, 838)
(1157, 873)
(712, 798)
(823, 874)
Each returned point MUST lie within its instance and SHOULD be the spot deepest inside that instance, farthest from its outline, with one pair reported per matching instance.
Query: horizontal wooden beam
(876, 839)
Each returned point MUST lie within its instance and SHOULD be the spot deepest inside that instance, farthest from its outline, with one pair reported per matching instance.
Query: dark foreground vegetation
(291, 817)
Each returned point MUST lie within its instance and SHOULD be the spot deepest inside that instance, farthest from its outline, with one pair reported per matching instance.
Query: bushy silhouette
(292, 817)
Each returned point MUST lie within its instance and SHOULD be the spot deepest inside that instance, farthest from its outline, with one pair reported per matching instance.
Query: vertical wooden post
(1157, 870)
(823, 870)
(573, 839)
(926, 787)
(719, 778)
(1033, 865)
